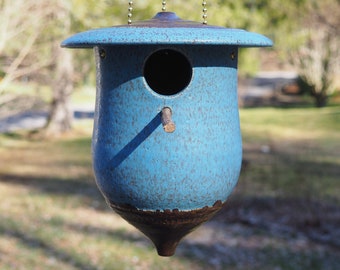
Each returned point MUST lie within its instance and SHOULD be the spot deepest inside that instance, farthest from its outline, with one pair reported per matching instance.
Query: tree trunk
(61, 116)
(321, 100)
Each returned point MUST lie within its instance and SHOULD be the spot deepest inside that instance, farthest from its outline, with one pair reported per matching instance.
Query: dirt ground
(268, 233)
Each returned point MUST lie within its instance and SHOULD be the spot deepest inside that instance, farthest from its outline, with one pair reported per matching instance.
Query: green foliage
(312, 47)
(261, 16)
(283, 21)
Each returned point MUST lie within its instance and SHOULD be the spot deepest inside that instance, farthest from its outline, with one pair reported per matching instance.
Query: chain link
(163, 6)
(205, 12)
(130, 12)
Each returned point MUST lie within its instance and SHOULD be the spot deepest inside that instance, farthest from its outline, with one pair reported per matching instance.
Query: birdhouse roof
(166, 28)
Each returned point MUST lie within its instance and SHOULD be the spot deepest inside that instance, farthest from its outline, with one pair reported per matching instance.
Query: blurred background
(285, 211)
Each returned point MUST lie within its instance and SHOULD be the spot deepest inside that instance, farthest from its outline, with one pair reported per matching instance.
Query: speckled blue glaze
(135, 161)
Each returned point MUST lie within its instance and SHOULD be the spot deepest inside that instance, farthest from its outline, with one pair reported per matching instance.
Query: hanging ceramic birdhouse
(166, 143)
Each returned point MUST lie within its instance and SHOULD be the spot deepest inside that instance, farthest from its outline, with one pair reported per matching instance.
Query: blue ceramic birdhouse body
(136, 162)
(166, 138)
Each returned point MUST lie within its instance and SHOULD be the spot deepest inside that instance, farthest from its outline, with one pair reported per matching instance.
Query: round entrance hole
(167, 72)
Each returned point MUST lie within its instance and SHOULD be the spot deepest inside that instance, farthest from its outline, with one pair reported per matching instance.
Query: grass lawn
(52, 216)
(297, 151)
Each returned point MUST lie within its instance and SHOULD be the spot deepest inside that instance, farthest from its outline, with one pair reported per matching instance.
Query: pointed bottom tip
(166, 251)
(166, 229)
(166, 246)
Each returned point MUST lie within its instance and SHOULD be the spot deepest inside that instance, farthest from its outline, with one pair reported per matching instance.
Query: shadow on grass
(116, 234)
(56, 186)
(302, 216)
(34, 243)
(233, 249)
(223, 256)
(290, 217)
(227, 250)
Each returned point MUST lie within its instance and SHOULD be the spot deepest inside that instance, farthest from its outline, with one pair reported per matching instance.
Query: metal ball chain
(205, 10)
(204, 16)
(164, 6)
(130, 12)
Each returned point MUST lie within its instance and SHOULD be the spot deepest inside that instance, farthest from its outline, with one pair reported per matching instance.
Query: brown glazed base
(166, 228)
